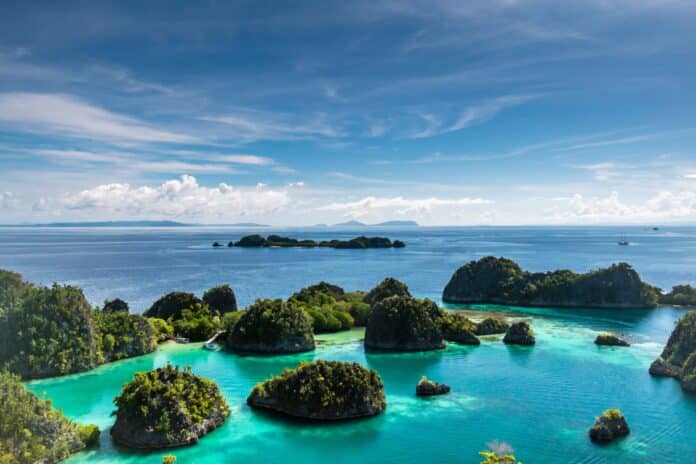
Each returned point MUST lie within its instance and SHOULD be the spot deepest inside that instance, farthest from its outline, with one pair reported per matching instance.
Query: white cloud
(400, 204)
(664, 205)
(603, 171)
(182, 197)
(8, 200)
(473, 114)
(67, 115)
(248, 125)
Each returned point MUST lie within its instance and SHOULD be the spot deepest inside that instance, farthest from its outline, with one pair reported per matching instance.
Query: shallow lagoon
(541, 399)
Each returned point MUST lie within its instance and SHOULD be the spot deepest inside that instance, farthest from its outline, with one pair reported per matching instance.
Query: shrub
(388, 287)
(162, 329)
(197, 323)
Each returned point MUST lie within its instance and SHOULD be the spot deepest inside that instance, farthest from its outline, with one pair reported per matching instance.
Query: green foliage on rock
(330, 308)
(609, 339)
(388, 287)
(123, 335)
(492, 326)
(32, 431)
(609, 426)
(162, 329)
(48, 331)
(197, 323)
(519, 333)
(272, 326)
(221, 299)
(116, 305)
(171, 305)
(502, 281)
(400, 323)
(680, 295)
(675, 360)
(458, 328)
(167, 407)
(323, 390)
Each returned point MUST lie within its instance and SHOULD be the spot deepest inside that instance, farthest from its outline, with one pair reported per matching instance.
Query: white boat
(210, 346)
(182, 340)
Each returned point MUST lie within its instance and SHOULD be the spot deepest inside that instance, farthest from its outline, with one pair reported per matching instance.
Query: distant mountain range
(379, 224)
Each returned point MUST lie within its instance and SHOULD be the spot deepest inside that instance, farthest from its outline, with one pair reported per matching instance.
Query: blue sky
(295, 113)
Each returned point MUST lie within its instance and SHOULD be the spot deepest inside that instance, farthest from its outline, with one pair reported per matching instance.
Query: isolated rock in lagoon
(167, 407)
(609, 426)
(675, 358)
(272, 326)
(398, 244)
(404, 324)
(217, 244)
(427, 387)
(502, 281)
(492, 326)
(457, 328)
(322, 390)
(386, 288)
(609, 339)
(519, 333)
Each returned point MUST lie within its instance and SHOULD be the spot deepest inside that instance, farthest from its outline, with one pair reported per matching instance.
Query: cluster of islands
(54, 331)
(361, 242)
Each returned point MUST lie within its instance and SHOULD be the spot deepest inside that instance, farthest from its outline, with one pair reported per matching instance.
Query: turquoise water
(540, 399)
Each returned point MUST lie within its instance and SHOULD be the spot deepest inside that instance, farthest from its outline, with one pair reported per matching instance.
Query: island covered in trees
(361, 242)
(502, 281)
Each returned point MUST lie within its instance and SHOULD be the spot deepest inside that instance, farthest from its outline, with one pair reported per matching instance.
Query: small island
(458, 329)
(322, 390)
(501, 281)
(402, 323)
(610, 339)
(428, 387)
(277, 241)
(678, 359)
(272, 327)
(609, 426)
(680, 295)
(492, 326)
(167, 407)
(519, 333)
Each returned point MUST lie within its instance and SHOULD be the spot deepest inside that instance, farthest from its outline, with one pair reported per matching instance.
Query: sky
(480, 112)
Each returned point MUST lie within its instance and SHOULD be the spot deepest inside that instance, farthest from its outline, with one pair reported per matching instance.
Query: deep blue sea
(540, 399)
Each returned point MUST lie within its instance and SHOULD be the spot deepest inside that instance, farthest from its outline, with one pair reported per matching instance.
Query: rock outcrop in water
(167, 407)
(427, 387)
(519, 333)
(361, 242)
(401, 323)
(678, 359)
(458, 329)
(492, 326)
(609, 426)
(386, 288)
(322, 390)
(502, 281)
(609, 339)
(273, 327)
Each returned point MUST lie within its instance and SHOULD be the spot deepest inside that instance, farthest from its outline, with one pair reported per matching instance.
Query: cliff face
(678, 359)
(322, 390)
(502, 281)
(404, 324)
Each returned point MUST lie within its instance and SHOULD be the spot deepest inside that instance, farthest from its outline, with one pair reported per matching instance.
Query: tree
(221, 299)
(115, 306)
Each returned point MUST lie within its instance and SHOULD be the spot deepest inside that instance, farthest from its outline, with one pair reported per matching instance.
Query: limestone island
(167, 407)
(678, 359)
(501, 281)
(609, 426)
(519, 333)
(492, 326)
(610, 339)
(322, 390)
(680, 295)
(361, 242)
(428, 387)
(402, 323)
(272, 327)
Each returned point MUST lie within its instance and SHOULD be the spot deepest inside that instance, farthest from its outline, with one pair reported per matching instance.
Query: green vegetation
(401, 323)
(458, 328)
(329, 308)
(388, 287)
(361, 242)
(122, 335)
(498, 453)
(162, 329)
(168, 459)
(519, 333)
(32, 431)
(167, 407)
(609, 426)
(230, 319)
(272, 326)
(427, 387)
(116, 305)
(50, 331)
(502, 281)
(221, 299)
(197, 323)
(171, 305)
(681, 295)
(492, 326)
(324, 390)
(678, 359)
(609, 339)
